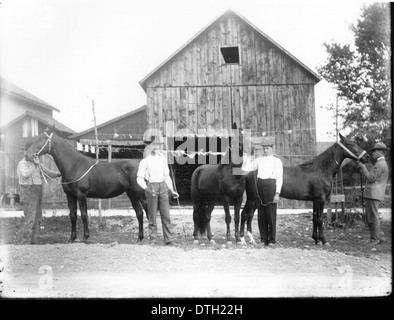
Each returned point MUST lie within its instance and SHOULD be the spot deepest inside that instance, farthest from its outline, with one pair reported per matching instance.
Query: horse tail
(199, 218)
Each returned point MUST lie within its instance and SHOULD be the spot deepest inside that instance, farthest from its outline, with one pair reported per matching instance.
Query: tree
(361, 74)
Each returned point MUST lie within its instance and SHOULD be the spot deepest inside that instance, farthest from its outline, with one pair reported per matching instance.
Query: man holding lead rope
(269, 182)
(154, 177)
(30, 184)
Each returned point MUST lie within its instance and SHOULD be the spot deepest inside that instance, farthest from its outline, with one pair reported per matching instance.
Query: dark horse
(222, 182)
(309, 181)
(83, 177)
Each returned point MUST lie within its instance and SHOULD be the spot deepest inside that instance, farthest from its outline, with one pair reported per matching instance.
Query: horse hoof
(212, 242)
(229, 243)
(195, 242)
(242, 239)
(253, 243)
(326, 244)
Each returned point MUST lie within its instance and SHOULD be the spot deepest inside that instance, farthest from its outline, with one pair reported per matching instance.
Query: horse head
(41, 146)
(353, 150)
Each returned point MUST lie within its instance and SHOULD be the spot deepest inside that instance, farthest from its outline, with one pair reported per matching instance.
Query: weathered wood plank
(192, 117)
(210, 110)
(236, 106)
(201, 110)
(218, 124)
(183, 108)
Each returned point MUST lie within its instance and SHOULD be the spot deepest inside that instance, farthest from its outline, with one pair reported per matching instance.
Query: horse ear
(341, 137)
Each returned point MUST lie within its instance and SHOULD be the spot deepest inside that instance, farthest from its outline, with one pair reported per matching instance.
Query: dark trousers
(266, 189)
(371, 208)
(159, 202)
(31, 197)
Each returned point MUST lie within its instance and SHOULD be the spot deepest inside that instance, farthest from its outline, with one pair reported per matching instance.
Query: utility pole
(97, 157)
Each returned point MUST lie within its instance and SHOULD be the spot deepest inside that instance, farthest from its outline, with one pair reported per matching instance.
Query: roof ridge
(17, 91)
(230, 11)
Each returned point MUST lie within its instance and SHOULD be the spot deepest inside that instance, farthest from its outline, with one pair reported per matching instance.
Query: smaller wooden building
(23, 118)
(118, 138)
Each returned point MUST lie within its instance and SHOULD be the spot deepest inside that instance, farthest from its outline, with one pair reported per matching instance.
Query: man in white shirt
(269, 180)
(154, 177)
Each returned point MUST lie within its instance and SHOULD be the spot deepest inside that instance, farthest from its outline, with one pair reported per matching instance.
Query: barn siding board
(210, 112)
(264, 92)
(218, 108)
(184, 99)
(193, 109)
(236, 105)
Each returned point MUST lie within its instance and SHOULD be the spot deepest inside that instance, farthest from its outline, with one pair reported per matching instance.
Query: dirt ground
(112, 264)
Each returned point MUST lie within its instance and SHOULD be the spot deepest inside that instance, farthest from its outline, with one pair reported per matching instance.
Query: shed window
(229, 55)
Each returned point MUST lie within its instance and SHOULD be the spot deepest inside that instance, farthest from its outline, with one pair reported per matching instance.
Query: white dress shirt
(269, 167)
(154, 168)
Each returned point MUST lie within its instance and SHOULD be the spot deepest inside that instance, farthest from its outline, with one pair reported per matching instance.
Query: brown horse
(223, 183)
(309, 181)
(84, 177)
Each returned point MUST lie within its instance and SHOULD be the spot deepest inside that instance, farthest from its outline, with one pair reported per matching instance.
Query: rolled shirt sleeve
(141, 174)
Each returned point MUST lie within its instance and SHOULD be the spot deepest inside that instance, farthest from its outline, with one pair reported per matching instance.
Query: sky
(70, 52)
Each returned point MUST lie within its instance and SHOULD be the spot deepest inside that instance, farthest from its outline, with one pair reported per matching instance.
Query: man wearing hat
(269, 182)
(154, 177)
(375, 188)
(30, 185)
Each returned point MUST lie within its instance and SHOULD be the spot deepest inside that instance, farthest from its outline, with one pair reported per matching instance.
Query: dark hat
(379, 146)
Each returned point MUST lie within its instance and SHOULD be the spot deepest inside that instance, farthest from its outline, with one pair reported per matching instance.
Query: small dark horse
(309, 181)
(83, 178)
(221, 182)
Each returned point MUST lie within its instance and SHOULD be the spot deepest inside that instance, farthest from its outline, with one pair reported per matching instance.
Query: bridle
(49, 141)
(358, 158)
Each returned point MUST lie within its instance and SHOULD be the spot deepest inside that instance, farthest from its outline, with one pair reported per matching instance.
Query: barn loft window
(229, 55)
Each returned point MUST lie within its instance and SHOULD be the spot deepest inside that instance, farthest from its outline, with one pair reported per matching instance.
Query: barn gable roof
(43, 118)
(79, 134)
(15, 91)
(228, 12)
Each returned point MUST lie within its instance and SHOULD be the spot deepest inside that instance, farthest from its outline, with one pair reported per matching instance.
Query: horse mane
(322, 161)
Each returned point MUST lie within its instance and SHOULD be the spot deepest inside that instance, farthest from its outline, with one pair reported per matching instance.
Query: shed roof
(43, 118)
(79, 134)
(232, 12)
(13, 90)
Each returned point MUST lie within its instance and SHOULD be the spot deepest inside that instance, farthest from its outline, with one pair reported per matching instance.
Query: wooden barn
(23, 117)
(231, 72)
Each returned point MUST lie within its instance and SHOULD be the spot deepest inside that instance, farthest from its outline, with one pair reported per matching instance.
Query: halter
(49, 140)
(351, 153)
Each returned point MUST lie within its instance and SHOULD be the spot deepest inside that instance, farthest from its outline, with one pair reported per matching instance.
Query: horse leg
(83, 206)
(72, 205)
(197, 216)
(320, 226)
(315, 220)
(208, 222)
(249, 223)
(139, 213)
(242, 225)
(227, 219)
(237, 208)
